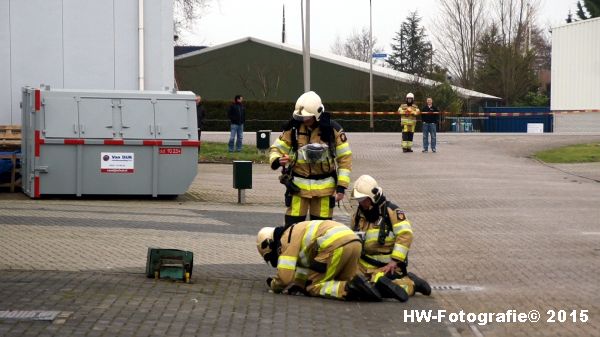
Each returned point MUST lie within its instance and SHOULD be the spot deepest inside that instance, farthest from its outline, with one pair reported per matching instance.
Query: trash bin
(242, 174)
(263, 139)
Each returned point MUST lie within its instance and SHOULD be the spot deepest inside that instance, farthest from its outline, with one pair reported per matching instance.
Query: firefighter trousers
(341, 267)
(321, 208)
(408, 131)
(373, 274)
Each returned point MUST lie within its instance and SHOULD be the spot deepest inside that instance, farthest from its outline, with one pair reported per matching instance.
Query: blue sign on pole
(379, 56)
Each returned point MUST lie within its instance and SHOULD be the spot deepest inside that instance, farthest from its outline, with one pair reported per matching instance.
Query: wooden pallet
(10, 135)
(10, 140)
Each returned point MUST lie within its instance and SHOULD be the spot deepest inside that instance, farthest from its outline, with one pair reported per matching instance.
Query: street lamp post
(306, 48)
(371, 124)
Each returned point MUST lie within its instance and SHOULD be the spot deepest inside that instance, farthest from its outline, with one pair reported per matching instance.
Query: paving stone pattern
(495, 230)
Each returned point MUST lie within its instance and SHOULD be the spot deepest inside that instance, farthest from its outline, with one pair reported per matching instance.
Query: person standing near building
(237, 118)
(316, 159)
(430, 116)
(200, 114)
(408, 119)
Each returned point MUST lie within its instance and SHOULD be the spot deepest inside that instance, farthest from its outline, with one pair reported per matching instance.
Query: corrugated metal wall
(81, 44)
(576, 66)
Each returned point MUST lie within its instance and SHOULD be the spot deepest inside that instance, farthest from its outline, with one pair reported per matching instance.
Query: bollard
(242, 178)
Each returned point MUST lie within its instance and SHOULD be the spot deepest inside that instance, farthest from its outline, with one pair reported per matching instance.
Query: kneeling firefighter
(408, 119)
(317, 258)
(387, 236)
(316, 159)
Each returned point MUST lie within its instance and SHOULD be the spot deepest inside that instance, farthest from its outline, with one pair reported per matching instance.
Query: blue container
(517, 123)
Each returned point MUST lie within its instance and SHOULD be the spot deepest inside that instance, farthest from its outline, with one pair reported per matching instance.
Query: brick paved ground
(495, 231)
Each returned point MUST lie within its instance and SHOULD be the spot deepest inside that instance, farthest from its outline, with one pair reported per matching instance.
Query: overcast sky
(227, 20)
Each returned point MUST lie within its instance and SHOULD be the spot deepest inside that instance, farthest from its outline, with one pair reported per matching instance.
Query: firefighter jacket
(303, 248)
(315, 177)
(408, 114)
(397, 243)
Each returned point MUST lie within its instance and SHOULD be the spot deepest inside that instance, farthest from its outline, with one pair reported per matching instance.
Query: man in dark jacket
(200, 114)
(237, 117)
(430, 116)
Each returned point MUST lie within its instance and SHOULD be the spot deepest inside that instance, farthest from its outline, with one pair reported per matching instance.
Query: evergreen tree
(412, 53)
(592, 7)
(504, 69)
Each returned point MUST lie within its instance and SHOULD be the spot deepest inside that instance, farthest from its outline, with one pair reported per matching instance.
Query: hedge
(272, 115)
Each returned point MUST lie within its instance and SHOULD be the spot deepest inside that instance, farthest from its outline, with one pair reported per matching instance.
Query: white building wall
(81, 44)
(576, 66)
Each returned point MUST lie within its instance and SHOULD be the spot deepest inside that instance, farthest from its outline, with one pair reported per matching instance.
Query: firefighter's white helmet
(308, 105)
(410, 95)
(366, 187)
(264, 240)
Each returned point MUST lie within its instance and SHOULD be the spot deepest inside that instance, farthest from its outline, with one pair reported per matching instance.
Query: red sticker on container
(169, 150)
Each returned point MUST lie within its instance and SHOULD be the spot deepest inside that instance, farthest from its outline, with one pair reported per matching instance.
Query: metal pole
(303, 40)
(307, 49)
(371, 124)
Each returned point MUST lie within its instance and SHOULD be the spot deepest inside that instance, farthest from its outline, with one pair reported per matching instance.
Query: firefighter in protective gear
(319, 257)
(408, 119)
(316, 159)
(387, 236)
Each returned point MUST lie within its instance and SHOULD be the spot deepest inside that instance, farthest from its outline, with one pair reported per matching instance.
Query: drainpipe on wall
(141, 43)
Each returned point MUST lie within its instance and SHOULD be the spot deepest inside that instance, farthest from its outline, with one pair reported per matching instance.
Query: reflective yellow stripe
(309, 234)
(274, 156)
(334, 234)
(343, 150)
(401, 227)
(399, 252)
(282, 146)
(344, 175)
(366, 264)
(377, 276)
(335, 262)
(304, 161)
(373, 235)
(385, 258)
(330, 288)
(286, 262)
(296, 205)
(312, 184)
(324, 212)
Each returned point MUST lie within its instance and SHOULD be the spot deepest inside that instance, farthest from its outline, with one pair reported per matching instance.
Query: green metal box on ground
(174, 264)
(242, 174)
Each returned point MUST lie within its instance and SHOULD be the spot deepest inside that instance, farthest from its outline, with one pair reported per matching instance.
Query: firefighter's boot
(389, 289)
(360, 289)
(421, 286)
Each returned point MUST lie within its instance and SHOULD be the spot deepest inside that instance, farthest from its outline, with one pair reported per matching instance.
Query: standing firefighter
(408, 119)
(387, 236)
(318, 258)
(316, 160)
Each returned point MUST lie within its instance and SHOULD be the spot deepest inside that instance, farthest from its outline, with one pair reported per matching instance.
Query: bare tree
(186, 13)
(262, 80)
(458, 34)
(356, 46)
